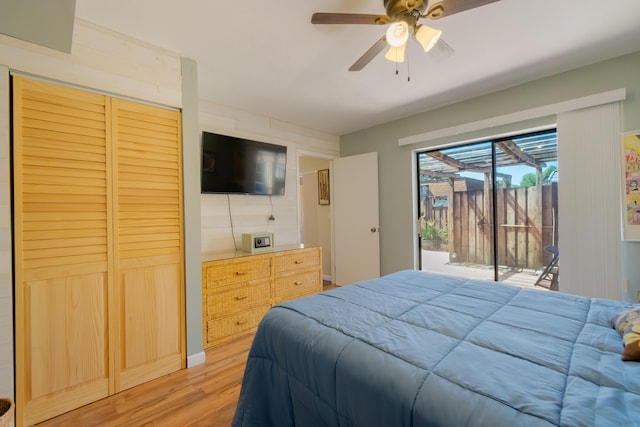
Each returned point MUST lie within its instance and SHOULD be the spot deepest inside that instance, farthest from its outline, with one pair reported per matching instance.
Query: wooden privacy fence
(526, 223)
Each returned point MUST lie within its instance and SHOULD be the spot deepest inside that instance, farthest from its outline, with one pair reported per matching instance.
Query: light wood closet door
(62, 238)
(149, 254)
(98, 246)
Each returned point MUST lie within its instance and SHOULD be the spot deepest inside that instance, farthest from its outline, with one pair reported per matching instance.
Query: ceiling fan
(402, 18)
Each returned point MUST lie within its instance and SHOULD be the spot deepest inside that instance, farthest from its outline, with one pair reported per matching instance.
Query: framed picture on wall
(631, 185)
(323, 187)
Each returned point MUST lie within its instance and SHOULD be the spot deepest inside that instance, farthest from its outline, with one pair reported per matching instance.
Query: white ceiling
(266, 57)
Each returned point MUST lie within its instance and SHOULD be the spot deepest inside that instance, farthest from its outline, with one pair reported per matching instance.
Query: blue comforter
(419, 349)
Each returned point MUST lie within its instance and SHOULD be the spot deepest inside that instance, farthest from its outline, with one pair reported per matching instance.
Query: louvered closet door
(62, 235)
(149, 241)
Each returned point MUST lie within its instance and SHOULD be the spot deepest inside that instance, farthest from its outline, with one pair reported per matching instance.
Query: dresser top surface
(220, 255)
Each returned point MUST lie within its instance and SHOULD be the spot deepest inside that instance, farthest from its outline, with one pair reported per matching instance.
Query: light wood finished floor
(204, 395)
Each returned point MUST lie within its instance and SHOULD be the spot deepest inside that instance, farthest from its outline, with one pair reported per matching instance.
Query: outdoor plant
(443, 234)
(430, 231)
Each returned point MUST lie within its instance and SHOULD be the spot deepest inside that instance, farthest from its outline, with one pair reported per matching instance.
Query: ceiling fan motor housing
(397, 8)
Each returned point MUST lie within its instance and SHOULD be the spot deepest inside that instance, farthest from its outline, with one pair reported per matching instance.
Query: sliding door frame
(493, 141)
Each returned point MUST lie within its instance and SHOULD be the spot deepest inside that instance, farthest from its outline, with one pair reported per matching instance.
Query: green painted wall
(47, 23)
(395, 163)
(191, 193)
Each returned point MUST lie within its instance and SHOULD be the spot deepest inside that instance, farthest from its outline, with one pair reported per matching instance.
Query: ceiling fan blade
(348, 18)
(369, 54)
(450, 7)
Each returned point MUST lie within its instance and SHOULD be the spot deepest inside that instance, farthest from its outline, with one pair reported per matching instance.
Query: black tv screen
(236, 165)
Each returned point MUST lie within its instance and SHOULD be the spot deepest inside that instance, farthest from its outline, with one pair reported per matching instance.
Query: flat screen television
(242, 166)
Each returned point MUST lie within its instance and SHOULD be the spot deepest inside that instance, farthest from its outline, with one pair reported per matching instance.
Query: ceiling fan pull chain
(408, 67)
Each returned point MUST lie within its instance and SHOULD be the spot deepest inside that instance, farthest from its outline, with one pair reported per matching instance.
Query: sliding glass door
(489, 209)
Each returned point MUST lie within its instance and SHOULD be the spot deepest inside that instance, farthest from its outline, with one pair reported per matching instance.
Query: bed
(420, 349)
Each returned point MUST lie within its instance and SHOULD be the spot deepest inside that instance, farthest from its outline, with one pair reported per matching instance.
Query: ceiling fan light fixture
(427, 37)
(398, 34)
(396, 54)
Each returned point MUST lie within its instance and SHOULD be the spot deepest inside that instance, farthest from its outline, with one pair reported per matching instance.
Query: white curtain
(589, 195)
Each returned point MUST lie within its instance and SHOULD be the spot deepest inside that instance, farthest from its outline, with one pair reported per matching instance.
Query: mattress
(420, 349)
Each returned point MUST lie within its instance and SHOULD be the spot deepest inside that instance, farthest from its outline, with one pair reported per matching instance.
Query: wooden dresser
(239, 288)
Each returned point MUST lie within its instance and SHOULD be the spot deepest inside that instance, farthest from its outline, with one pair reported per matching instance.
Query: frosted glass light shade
(396, 54)
(427, 37)
(397, 34)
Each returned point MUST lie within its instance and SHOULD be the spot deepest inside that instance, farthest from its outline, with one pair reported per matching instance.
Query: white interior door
(309, 208)
(356, 227)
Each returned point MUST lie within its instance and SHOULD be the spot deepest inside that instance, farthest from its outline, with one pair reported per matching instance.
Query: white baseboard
(327, 278)
(196, 359)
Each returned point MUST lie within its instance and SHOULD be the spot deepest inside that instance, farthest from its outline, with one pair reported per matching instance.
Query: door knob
(373, 229)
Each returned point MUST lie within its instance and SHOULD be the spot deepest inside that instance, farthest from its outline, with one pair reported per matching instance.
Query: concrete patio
(438, 262)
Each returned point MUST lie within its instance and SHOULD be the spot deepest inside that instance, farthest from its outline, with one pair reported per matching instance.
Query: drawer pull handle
(241, 322)
(299, 261)
(299, 283)
(240, 298)
(240, 273)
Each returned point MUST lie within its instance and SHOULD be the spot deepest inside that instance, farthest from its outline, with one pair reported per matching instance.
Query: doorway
(314, 219)
(489, 209)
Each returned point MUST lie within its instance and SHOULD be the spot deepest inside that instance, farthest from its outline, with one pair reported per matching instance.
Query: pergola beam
(441, 174)
(513, 151)
(447, 160)
(460, 166)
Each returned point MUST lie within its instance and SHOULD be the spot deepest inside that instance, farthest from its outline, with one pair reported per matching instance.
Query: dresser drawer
(295, 285)
(227, 272)
(232, 325)
(238, 298)
(296, 260)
